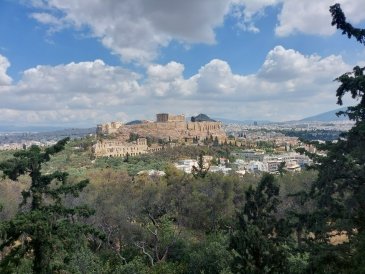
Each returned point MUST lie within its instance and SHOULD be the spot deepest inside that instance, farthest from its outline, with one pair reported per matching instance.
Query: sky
(78, 63)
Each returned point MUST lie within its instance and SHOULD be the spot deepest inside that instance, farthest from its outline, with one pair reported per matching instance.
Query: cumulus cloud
(313, 17)
(87, 93)
(309, 17)
(100, 77)
(168, 80)
(4, 65)
(135, 29)
(216, 78)
(84, 92)
(282, 89)
(285, 75)
(168, 72)
(288, 65)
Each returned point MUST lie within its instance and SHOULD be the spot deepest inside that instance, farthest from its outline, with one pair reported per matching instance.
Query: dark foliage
(339, 20)
(44, 231)
(338, 224)
(258, 243)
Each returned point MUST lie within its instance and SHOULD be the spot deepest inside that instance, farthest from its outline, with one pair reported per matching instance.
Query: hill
(201, 118)
(134, 122)
(326, 116)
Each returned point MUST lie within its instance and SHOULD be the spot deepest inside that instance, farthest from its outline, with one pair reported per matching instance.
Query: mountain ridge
(327, 116)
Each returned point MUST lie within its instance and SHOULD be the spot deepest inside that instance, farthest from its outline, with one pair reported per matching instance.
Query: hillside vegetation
(151, 223)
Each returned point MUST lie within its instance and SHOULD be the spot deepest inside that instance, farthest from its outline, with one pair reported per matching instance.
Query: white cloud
(168, 80)
(309, 17)
(285, 75)
(85, 92)
(313, 17)
(168, 72)
(285, 65)
(55, 23)
(4, 65)
(283, 88)
(248, 11)
(216, 78)
(70, 79)
(46, 18)
(88, 93)
(58, 117)
(136, 29)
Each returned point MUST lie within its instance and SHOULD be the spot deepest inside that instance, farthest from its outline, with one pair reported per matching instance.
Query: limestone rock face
(166, 127)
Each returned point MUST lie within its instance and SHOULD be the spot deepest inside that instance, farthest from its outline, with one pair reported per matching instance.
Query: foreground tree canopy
(44, 231)
(337, 224)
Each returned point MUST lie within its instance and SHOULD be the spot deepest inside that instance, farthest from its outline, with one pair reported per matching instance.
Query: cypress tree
(258, 241)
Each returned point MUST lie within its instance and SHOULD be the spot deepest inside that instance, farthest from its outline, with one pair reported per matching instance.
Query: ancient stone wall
(108, 128)
(204, 126)
(168, 127)
(117, 148)
(120, 148)
(179, 131)
(176, 118)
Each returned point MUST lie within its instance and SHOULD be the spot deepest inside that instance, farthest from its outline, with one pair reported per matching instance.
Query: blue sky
(78, 63)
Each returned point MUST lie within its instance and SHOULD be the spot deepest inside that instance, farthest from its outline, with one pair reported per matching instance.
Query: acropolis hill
(167, 127)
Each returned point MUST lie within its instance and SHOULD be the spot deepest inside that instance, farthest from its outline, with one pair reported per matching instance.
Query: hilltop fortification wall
(166, 127)
(108, 128)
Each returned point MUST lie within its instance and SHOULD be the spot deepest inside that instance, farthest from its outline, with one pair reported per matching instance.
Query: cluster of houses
(250, 161)
(188, 165)
(254, 161)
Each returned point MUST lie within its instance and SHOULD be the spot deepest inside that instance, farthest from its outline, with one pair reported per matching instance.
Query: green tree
(209, 256)
(201, 170)
(133, 137)
(339, 191)
(160, 238)
(281, 168)
(216, 141)
(44, 230)
(126, 158)
(258, 243)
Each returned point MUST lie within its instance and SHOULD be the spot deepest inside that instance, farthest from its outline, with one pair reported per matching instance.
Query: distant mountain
(201, 118)
(134, 122)
(326, 116)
